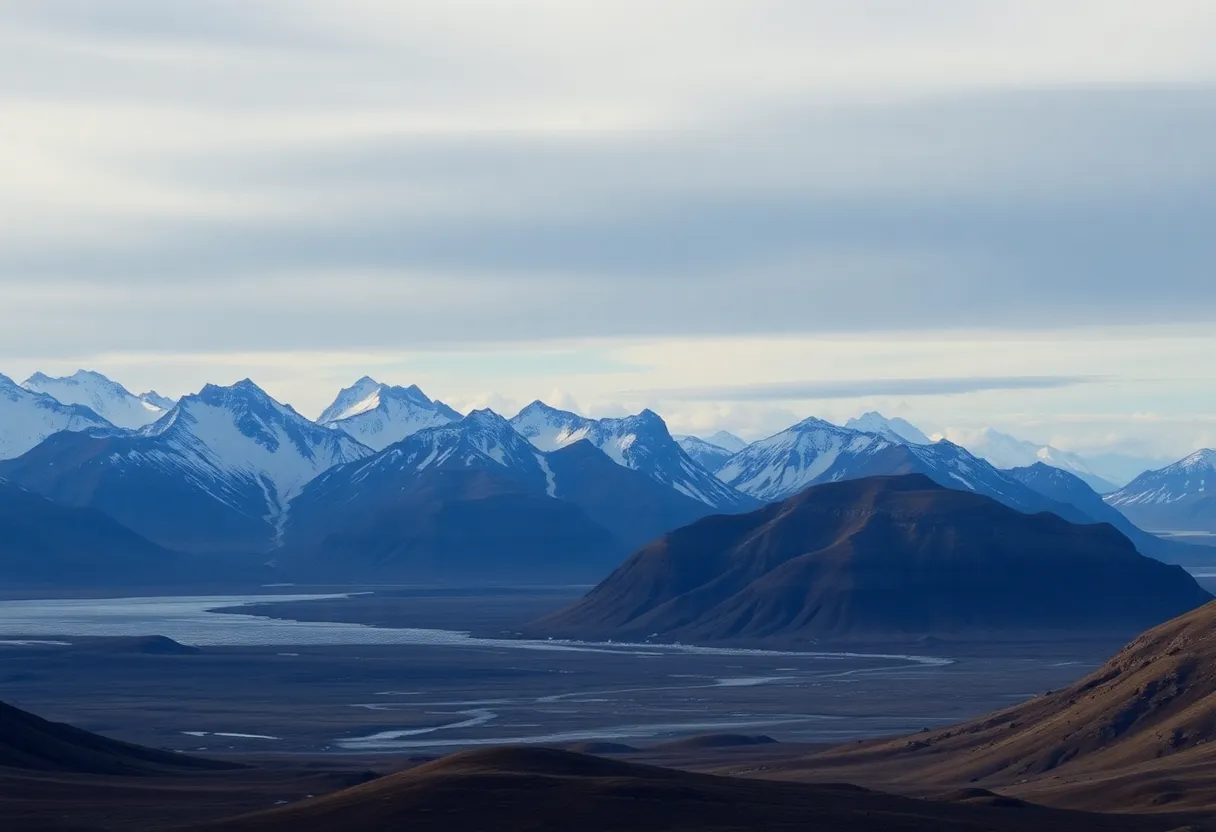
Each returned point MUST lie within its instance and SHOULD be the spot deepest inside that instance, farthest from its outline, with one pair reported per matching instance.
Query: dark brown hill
(31, 743)
(545, 789)
(1145, 718)
(879, 558)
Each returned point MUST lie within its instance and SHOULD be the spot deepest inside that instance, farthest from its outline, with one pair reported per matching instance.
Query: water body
(346, 687)
(194, 621)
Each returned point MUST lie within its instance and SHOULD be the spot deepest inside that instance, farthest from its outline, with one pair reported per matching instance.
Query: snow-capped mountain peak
(549, 428)
(797, 457)
(1178, 497)
(1202, 460)
(28, 417)
(242, 429)
(379, 415)
(107, 398)
(641, 442)
(895, 429)
(482, 439)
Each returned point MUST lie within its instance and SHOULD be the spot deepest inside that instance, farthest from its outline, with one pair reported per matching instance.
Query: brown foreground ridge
(548, 789)
(55, 777)
(1135, 734)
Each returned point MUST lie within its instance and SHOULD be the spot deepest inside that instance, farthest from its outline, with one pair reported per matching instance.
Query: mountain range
(474, 498)
(879, 558)
(215, 474)
(226, 470)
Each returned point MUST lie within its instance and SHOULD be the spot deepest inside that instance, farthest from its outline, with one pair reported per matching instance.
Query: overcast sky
(737, 213)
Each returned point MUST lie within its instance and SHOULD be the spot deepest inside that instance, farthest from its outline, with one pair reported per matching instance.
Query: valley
(317, 680)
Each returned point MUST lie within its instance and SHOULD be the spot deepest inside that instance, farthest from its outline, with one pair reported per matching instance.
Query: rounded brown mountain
(879, 558)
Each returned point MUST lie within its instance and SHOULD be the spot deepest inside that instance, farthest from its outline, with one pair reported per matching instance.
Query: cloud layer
(198, 183)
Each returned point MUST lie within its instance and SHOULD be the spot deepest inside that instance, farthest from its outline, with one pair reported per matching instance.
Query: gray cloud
(777, 210)
(861, 388)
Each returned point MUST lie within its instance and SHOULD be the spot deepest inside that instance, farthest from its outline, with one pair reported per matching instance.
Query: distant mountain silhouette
(876, 558)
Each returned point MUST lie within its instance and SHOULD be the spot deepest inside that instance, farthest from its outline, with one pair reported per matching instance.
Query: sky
(738, 214)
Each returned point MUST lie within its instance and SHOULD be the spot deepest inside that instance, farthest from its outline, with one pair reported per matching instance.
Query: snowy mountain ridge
(815, 451)
(641, 442)
(107, 398)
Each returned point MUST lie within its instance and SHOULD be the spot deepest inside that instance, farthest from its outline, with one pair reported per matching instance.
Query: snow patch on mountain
(107, 398)
(28, 417)
(157, 400)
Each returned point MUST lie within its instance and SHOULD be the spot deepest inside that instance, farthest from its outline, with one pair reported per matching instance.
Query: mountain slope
(879, 558)
(27, 418)
(379, 414)
(640, 442)
(213, 475)
(107, 398)
(474, 498)
(897, 430)
(1178, 497)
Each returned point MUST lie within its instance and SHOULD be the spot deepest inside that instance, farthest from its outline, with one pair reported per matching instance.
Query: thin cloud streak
(852, 389)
